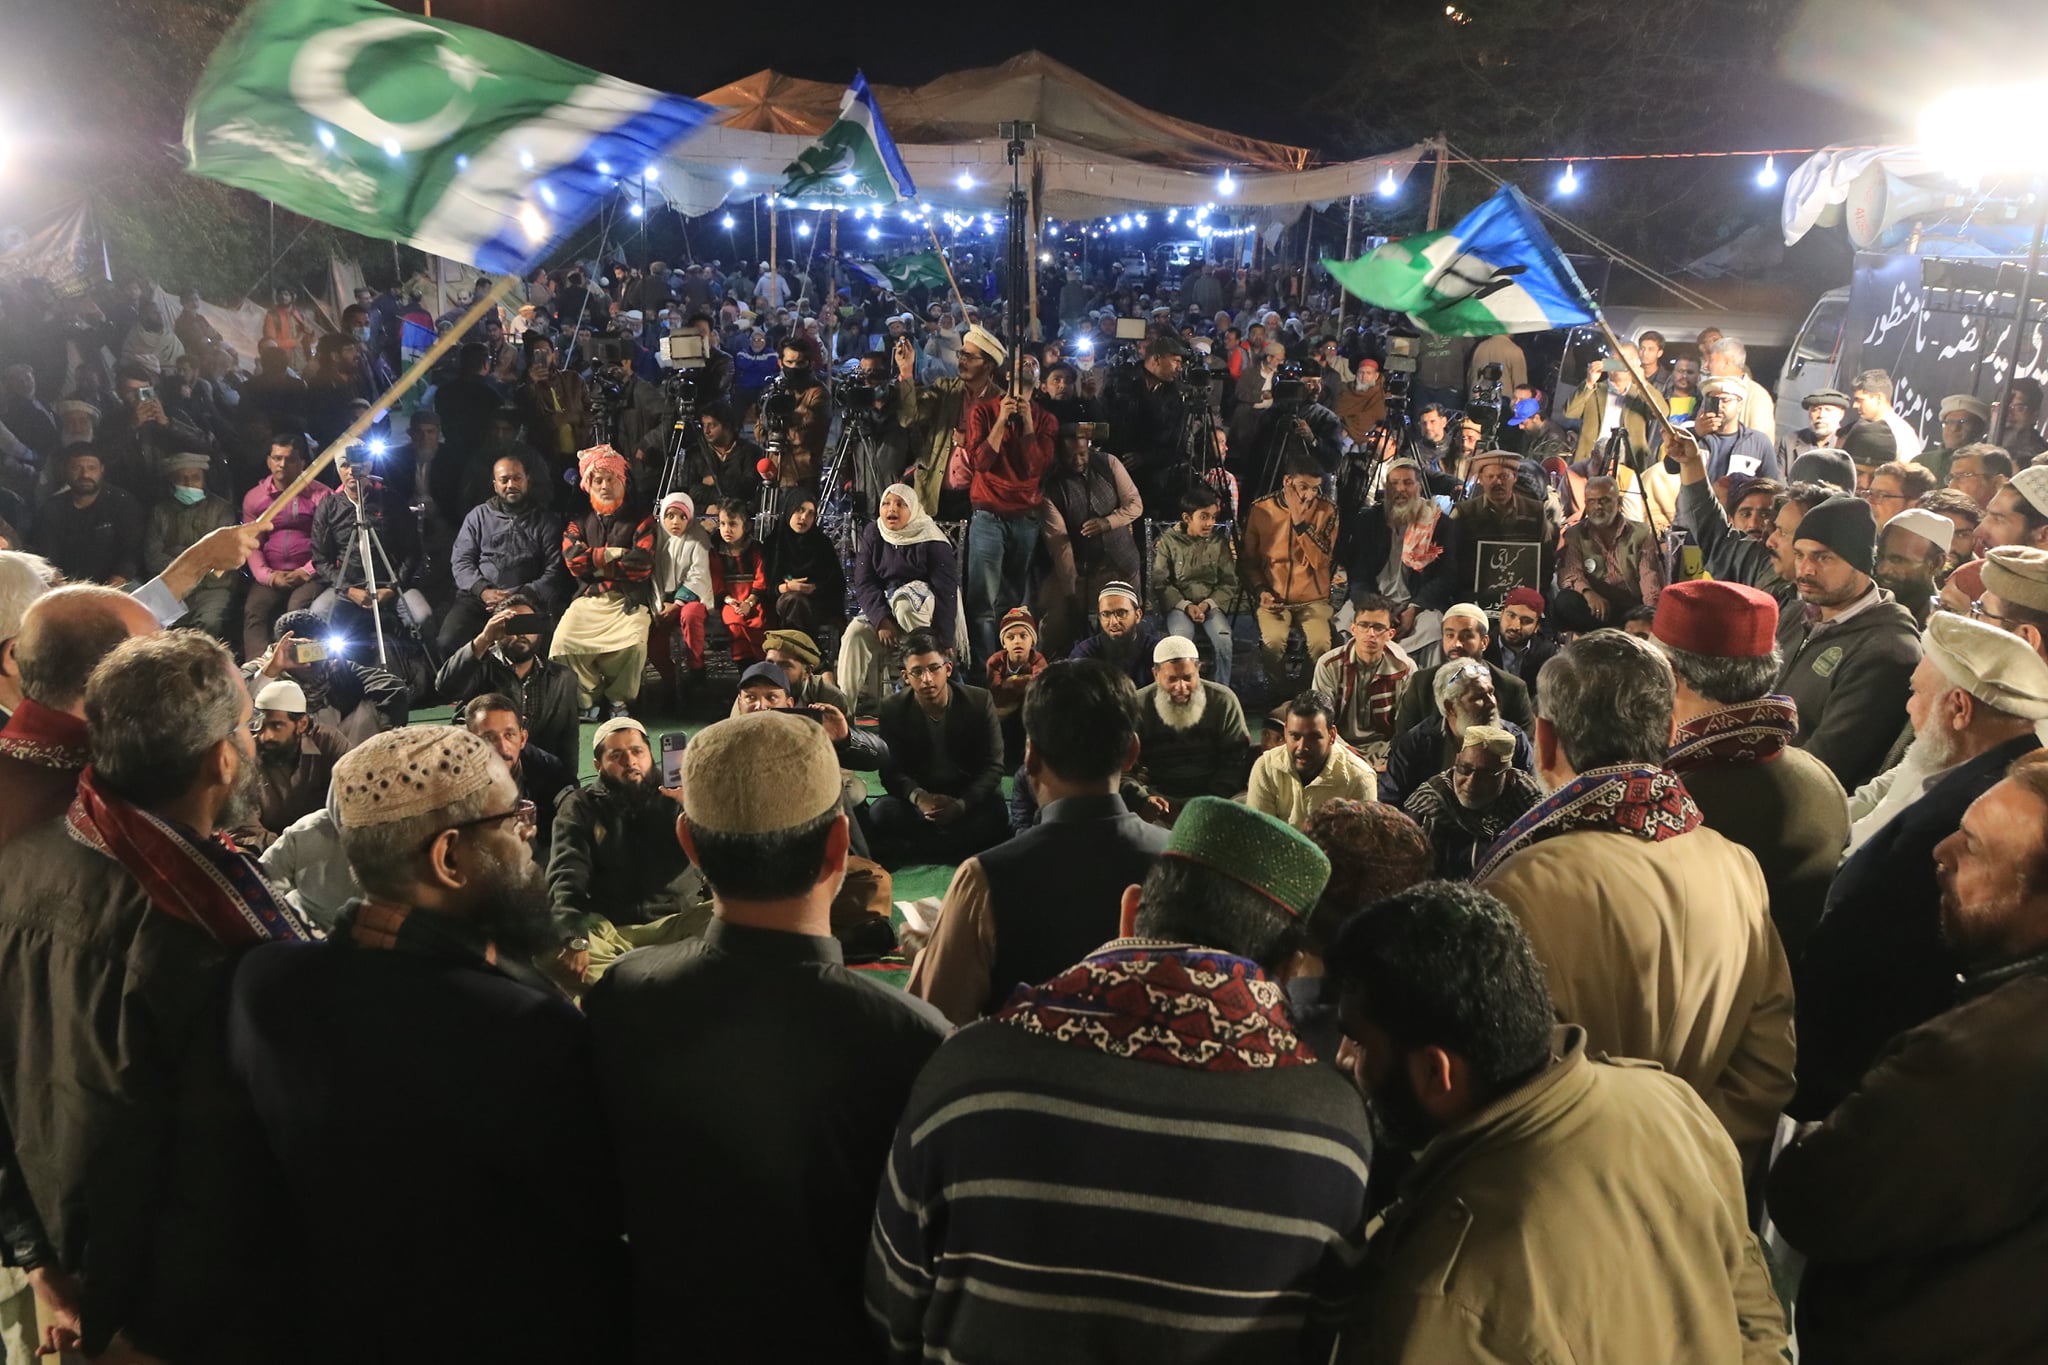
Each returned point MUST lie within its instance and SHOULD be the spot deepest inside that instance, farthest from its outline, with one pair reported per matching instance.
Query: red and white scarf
(1419, 548)
(1751, 732)
(45, 738)
(204, 881)
(1649, 803)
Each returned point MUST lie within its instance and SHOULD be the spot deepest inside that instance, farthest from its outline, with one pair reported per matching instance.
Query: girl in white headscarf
(682, 583)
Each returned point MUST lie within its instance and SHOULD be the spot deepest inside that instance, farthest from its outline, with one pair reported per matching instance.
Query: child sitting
(739, 580)
(682, 588)
(1010, 671)
(1194, 576)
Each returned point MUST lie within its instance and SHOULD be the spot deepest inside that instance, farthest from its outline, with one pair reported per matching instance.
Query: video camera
(1404, 358)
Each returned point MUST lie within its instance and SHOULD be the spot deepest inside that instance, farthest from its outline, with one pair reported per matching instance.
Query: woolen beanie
(1717, 618)
(1825, 466)
(1846, 526)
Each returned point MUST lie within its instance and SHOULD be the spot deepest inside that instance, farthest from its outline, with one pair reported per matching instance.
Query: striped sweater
(1137, 1161)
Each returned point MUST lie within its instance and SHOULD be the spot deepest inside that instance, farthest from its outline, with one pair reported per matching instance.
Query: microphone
(765, 467)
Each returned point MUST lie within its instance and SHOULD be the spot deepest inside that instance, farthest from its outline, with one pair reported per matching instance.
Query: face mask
(362, 334)
(188, 496)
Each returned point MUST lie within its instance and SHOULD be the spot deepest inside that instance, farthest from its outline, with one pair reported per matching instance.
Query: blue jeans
(998, 572)
(1216, 624)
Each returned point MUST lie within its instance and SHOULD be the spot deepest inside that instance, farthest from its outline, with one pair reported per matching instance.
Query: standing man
(1023, 910)
(1617, 880)
(1009, 450)
(509, 544)
(1072, 1089)
(1871, 393)
(1364, 679)
(936, 413)
(2020, 432)
(24, 578)
(1912, 559)
(1849, 653)
(810, 1065)
(1148, 415)
(1876, 966)
(1562, 1205)
(1735, 450)
(1310, 767)
(1965, 420)
(2017, 513)
(1979, 471)
(1726, 358)
(1733, 747)
(419, 1014)
(137, 1187)
(1908, 1259)
(1289, 540)
(1825, 411)
(1609, 402)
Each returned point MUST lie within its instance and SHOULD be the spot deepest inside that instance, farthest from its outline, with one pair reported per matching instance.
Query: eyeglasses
(1978, 613)
(1467, 770)
(917, 671)
(1373, 627)
(1872, 495)
(522, 815)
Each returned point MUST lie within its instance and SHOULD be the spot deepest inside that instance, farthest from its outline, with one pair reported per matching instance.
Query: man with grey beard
(423, 1013)
(1609, 565)
(1403, 556)
(1192, 737)
(1875, 964)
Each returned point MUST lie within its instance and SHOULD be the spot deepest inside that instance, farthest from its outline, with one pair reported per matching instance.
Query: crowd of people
(1634, 884)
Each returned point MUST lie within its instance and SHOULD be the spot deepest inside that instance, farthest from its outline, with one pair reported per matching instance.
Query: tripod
(853, 474)
(366, 549)
(686, 434)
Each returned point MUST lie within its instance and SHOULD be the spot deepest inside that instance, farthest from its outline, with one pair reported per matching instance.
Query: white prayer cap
(1174, 647)
(1932, 527)
(282, 694)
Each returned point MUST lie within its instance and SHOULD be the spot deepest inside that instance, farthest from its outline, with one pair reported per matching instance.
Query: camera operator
(1432, 445)
(796, 417)
(936, 416)
(1147, 410)
(1609, 401)
(1059, 393)
(1295, 421)
(724, 464)
(338, 552)
(553, 406)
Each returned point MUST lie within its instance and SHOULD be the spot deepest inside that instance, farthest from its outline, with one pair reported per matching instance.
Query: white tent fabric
(1822, 181)
(698, 176)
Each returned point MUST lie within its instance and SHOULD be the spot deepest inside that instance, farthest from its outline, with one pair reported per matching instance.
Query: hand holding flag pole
(399, 388)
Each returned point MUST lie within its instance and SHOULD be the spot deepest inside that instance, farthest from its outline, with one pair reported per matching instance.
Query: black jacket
(546, 695)
(617, 857)
(492, 1249)
(972, 735)
(1538, 651)
(1875, 965)
(1731, 557)
(1850, 681)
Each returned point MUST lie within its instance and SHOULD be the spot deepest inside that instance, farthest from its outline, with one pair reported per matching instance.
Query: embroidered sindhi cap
(409, 771)
(758, 774)
(1253, 848)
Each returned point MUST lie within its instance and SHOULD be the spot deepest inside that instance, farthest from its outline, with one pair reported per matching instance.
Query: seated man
(295, 761)
(1465, 637)
(1192, 739)
(1610, 565)
(944, 774)
(1464, 696)
(1465, 809)
(505, 658)
(1289, 538)
(1126, 638)
(542, 776)
(617, 877)
(354, 700)
(393, 555)
(1364, 679)
(1522, 647)
(510, 545)
(176, 525)
(1311, 767)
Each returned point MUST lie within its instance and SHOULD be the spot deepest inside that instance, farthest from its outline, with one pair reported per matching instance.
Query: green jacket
(1187, 570)
(934, 412)
(175, 528)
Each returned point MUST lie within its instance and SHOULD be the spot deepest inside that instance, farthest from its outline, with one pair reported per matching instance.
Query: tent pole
(1308, 237)
(835, 254)
(1350, 222)
(1436, 183)
(773, 281)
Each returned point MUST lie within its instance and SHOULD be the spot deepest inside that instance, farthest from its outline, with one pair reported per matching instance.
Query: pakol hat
(1482, 458)
(188, 462)
(1251, 848)
(2033, 485)
(1845, 525)
(1825, 398)
(1968, 405)
(759, 773)
(1717, 618)
(794, 642)
(2016, 573)
(409, 771)
(1997, 668)
(983, 340)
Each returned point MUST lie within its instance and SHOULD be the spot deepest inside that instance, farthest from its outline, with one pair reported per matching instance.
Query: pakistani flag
(855, 162)
(457, 141)
(1496, 271)
(925, 268)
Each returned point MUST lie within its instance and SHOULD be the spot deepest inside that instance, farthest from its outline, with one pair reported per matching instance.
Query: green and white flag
(1496, 271)
(922, 267)
(458, 141)
(854, 162)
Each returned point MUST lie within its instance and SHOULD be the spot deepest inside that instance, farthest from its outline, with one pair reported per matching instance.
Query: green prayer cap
(1251, 847)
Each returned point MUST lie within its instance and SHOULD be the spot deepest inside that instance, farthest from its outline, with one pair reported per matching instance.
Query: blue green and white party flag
(458, 141)
(854, 161)
(1495, 271)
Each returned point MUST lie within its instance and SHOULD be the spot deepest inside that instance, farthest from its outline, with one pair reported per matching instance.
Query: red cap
(1969, 579)
(1718, 619)
(1525, 596)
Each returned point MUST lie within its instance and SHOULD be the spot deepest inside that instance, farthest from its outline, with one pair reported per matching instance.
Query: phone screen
(672, 745)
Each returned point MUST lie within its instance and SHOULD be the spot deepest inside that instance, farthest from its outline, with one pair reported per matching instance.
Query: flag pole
(389, 398)
(958, 297)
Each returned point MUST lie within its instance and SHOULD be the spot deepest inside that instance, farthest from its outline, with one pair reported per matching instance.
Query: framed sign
(1503, 566)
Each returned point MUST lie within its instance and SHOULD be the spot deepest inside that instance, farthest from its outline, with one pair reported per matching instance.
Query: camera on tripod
(1129, 352)
(1404, 358)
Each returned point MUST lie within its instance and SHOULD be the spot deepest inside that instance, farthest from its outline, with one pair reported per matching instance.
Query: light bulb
(1568, 183)
(1768, 176)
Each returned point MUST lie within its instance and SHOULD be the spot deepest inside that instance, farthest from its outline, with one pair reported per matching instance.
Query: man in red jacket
(1009, 446)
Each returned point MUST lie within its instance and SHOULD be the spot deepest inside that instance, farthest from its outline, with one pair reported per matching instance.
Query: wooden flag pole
(947, 265)
(389, 398)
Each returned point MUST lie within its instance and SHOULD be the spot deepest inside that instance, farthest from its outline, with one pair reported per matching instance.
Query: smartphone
(305, 652)
(672, 745)
(525, 623)
(145, 394)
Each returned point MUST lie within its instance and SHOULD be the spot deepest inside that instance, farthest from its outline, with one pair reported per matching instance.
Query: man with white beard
(1403, 555)
(1875, 964)
(1609, 567)
(1192, 738)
